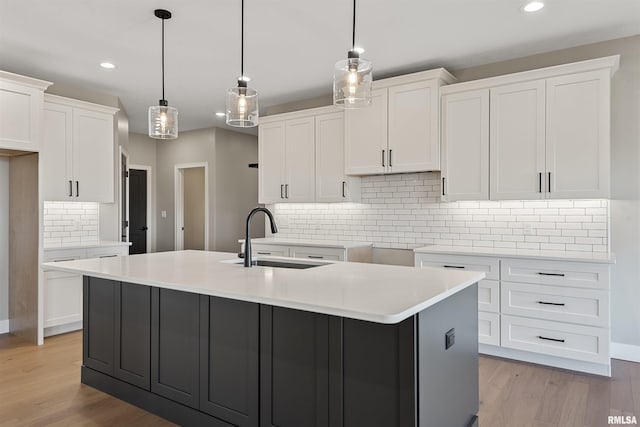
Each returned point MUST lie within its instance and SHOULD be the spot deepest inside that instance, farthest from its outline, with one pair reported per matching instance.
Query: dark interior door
(138, 211)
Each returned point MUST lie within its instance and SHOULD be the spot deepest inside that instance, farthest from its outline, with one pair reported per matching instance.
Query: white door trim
(150, 216)
(179, 203)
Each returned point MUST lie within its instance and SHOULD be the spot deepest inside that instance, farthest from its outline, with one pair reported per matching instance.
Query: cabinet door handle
(108, 256)
(66, 259)
(286, 191)
(315, 256)
(453, 266)
(539, 182)
(549, 181)
(264, 253)
(70, 188)
(390, 162)
(77, 188)
(561, 304)
(344, 184)
(551, 274)
(443, 178)
(382, 158)
(550, 339)
(281, 191)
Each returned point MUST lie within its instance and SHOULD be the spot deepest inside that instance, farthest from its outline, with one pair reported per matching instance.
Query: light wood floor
(41, 386)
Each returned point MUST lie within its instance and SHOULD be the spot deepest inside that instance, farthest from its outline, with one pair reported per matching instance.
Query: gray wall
(191, 147)
(194, 208)
(142, 152)
(625, 167)
(4, 238)
(236, 190)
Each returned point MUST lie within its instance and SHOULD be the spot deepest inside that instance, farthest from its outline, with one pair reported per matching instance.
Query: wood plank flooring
(40, 386)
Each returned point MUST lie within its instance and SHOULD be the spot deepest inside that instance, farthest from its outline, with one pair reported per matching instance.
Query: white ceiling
(290, 45)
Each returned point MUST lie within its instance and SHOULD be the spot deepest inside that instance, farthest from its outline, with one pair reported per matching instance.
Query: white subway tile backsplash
(70, 222)
(404, 212)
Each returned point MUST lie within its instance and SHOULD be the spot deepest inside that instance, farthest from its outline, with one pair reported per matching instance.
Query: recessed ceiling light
(107, 65)
(533, 6)
(219, 114)
(358, 49)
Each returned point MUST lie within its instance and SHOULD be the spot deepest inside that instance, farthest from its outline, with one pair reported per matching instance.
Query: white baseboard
(4, 326)
(625, 352)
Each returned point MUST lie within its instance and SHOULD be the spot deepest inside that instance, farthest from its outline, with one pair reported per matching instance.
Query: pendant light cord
(353, 36)
(163, 58)
(242, 42)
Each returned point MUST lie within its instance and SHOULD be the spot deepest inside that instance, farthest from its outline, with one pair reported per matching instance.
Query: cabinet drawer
(487, 265)
(64, 255)
(488, 328)
(578, 342)
(272, 250)
(331, 254)
(578, 274)
(585, 306)
(489, 296)
(108, 252)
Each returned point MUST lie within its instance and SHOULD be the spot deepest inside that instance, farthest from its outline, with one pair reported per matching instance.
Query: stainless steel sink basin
(280, 263)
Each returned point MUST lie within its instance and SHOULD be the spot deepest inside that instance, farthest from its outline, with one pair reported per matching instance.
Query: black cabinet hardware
(443, 178)
(108, 256)
(264, 253)
(66, 259)
(539, 182)
(551, 303)
(550, 339)
(286, 191)
(70, 188)
(282, 191)
(549, 183)
(316, 256)
(344, 194)
(390, 161)
(77, 188)
(382, 158)
(453, 266)
(551, 274)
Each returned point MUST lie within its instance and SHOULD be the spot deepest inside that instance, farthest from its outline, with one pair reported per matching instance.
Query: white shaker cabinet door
(414, 143)
(366, 137)
(577, 154)
(56, 152)
(271, 162)
(465, 146)
(93, 156)
(300, 160)
(331, 182)
(517, 141)
(20, 109)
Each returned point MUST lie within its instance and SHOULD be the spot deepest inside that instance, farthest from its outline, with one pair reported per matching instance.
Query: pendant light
(352, 77)
(163, 120)
(242, 101)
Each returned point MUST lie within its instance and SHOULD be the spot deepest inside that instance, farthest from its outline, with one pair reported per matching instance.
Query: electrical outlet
(163, 214)
(528, 229)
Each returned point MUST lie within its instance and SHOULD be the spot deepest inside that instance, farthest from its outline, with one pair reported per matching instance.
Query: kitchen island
(200, 340)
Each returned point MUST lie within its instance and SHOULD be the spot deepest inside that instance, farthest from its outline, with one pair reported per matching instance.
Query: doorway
(139, 209)
(192, 206)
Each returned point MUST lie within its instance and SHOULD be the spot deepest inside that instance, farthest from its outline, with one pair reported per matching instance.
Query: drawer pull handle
(453, 266)
(551, 303)
(264, 253)
(550, 339)
(552, 274)
(66, 259)
(316, 256)
(108, 256)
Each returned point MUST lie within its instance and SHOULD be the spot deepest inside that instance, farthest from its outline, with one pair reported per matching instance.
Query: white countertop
(303, 242)
(87, 245)
(594, 257)
(372, 292)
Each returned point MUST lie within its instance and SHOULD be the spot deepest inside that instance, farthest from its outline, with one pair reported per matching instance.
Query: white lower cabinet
(327, 253)
(543, 311)
(63, 291)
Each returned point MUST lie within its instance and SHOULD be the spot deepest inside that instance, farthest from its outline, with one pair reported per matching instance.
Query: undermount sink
(279, 263)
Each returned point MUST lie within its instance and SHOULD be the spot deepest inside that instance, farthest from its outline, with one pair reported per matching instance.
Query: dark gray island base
(199, 360)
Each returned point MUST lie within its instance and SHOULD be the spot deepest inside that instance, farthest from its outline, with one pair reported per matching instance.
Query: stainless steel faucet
(247, 238)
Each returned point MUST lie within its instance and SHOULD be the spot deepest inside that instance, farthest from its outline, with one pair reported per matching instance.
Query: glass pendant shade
(352, 79)
(242, 107)
(163, 122)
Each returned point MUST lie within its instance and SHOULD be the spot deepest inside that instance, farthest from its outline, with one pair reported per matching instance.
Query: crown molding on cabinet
(24, 80)
(55, 99)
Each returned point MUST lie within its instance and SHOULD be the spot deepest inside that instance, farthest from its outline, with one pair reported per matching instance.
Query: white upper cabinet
(578, 120)
(77, 151)
(399, 132)
(300, 183)
(517, 141)
(413, 127)
(549, 133)
(366, 137)
(332, 185)
(465, 146)
(271, 162)
(21, 101)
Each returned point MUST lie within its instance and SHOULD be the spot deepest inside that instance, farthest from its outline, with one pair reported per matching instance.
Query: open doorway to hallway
(192, 206)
